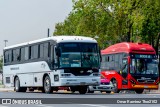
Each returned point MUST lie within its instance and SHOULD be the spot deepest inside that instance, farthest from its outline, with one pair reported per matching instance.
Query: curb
(6, 89)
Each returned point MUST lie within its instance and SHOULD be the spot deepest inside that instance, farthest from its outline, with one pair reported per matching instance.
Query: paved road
(75, 96)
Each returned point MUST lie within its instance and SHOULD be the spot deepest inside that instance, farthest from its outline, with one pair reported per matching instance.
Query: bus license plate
(145, 86)
(82, 83)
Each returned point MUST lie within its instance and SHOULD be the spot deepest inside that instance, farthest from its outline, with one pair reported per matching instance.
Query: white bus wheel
(115, 85)
(17, 86)
(47, 85)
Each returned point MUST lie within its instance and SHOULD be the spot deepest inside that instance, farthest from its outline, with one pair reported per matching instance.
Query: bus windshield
(79, 55)
(143, 64)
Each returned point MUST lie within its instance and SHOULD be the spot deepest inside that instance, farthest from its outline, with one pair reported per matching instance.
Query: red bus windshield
(143, 64)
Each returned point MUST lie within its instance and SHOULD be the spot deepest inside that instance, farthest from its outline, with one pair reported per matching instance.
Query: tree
(114, 21)
(151, 25)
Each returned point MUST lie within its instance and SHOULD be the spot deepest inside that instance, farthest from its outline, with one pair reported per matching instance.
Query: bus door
(124, 73)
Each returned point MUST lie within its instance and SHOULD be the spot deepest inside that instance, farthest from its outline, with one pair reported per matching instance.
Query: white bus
(49, 63)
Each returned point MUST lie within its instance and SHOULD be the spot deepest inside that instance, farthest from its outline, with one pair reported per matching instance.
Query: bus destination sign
(145, 56)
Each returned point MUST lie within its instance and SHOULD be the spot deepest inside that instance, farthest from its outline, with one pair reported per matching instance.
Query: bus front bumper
(79, 81)
(145, 86)
(101, 88)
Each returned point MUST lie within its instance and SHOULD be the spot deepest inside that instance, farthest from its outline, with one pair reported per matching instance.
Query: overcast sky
(27, 20)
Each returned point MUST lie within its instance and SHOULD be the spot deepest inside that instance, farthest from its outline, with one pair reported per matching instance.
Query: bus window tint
(143, 66)
(78, 55)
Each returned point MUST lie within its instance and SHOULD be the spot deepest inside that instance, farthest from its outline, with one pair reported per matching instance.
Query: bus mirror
(55, 62)
(58, 52)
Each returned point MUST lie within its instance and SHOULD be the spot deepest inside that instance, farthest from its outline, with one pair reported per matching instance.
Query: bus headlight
(56, 78)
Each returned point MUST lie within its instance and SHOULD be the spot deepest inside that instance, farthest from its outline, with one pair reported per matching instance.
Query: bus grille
(145, 81)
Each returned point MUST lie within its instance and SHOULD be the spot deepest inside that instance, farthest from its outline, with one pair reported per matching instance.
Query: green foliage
(113, 21)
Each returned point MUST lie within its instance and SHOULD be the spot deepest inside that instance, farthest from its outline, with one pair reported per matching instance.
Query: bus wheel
(89, 91)
(72, 89)
(115, 89)
(47, 85)
(17, 86)
(82, 89)
(140, 91)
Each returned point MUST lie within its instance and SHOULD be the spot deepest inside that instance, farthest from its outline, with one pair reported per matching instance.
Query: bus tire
(115, 85)
(89, 91)
(82, 89)
(140, 91)
(72, 89)
(47, 85)
(17, 86)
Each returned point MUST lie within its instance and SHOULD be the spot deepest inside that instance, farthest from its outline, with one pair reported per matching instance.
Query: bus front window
(143, 66)
(90, 55)
(78, 55)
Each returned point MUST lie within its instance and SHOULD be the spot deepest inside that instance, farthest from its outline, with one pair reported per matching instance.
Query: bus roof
(58, 39)
(129, 47)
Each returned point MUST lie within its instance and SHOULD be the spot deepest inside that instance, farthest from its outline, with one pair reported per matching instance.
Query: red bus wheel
(140, 91)
(115, 86)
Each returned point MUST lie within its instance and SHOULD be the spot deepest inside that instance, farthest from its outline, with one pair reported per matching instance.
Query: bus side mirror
(58, 52)
(55, 62)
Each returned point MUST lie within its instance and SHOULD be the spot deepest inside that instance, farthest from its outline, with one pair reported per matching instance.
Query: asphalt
(11, 89)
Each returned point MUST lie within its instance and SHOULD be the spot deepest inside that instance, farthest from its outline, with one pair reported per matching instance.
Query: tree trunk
(157, 50)
(157, 43)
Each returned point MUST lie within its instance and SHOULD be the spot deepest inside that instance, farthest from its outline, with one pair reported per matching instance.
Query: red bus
(131, 66)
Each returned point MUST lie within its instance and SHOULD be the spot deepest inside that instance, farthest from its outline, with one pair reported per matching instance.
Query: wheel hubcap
(115, 85)
(17, 84)
(47, 85)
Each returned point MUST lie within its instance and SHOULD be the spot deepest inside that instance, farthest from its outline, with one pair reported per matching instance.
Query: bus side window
(107, 58)
(41, 50)
(120, 60)
(46, 52)
(22, 54)
(35, 51)
(10, 56)
(6, 57)
(116, 62)
(26, 53)
(18, 54)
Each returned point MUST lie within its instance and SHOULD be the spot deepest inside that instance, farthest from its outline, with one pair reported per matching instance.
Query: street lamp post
(5, 42)
(48, 32)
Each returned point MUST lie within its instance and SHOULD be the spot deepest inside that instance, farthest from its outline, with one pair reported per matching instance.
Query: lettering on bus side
(15, 68)
(108, 73)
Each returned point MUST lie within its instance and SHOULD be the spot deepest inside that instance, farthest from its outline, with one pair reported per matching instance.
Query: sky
(27, 20)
